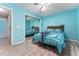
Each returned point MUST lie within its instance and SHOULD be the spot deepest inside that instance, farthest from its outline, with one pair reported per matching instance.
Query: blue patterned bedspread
(51, 38)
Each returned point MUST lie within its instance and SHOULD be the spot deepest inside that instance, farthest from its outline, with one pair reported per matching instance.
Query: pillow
(51, 31)
(58, 31)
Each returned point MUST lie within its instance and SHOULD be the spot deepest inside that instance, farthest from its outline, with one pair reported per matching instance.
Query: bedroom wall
(78, 23)
(18, 20)
(3, 27)
(67, 18)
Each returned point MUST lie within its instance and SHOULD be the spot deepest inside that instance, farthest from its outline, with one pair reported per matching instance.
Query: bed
(53, 36)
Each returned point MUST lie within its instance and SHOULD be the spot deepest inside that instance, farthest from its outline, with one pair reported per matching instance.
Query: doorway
(5, 27)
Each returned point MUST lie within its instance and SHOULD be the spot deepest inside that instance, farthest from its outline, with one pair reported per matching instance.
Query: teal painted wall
(18, 19)
(78, 23)
(67, 18)
(3, 26)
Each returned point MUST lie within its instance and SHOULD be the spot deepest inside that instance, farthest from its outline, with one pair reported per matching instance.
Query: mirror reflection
(32, 25)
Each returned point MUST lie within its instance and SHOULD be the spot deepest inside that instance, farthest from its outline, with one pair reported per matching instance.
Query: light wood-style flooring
(29, 49)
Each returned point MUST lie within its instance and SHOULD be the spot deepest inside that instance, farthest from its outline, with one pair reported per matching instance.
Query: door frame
(11, 23)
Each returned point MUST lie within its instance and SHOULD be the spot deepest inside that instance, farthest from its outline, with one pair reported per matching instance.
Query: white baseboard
(76, 41)
(3, 35)
(19, 42)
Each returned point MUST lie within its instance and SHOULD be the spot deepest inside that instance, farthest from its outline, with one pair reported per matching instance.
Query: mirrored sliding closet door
(32, 26)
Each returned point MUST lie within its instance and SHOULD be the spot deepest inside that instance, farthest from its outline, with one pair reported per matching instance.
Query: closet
(32, 25)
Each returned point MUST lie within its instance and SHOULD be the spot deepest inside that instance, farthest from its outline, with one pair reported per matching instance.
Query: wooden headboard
(55, 27)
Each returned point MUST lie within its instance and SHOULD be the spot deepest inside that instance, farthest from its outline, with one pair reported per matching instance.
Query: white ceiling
(51, 9)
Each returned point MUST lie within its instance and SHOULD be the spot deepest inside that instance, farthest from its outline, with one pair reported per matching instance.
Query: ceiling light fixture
(42, 6)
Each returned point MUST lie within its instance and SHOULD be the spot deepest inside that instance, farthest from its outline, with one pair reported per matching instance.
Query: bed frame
(56, 27)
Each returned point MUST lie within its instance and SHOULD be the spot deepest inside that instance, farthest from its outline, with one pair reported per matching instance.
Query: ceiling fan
(42, 6)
